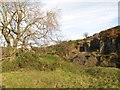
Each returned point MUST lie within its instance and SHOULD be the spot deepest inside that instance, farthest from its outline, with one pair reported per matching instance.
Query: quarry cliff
(101, 49)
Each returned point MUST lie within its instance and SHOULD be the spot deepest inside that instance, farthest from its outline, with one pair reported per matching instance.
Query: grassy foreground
(60, 78)
(52, 72)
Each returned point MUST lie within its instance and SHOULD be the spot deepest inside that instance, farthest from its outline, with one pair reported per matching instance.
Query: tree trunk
(15, 48)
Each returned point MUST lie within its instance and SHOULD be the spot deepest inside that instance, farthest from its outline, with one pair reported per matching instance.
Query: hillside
(93, 62)
(101, 49)
(51, 71)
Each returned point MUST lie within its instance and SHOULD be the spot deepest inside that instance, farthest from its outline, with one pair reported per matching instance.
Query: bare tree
(85, 42)
(85, 34)
(24, 24)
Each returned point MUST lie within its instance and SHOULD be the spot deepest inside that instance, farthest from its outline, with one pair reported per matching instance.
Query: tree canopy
(25, 24)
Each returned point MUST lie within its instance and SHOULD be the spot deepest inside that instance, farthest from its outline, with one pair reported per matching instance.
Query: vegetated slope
(50, 67)
(101, 49)
(52, 71)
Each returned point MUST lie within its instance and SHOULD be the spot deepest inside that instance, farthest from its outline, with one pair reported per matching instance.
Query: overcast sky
(80, 16)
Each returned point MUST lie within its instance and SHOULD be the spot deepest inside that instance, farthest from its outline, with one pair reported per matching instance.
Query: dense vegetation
(50, 71)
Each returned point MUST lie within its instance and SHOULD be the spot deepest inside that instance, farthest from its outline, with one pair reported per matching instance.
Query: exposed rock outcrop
(110, 40)
(100, 49)
(85, 59)
(95, 45)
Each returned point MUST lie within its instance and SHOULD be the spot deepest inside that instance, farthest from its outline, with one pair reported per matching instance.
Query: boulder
(85, 59)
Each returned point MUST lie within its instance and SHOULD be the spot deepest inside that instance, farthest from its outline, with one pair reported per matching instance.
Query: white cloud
(95, 14)
(85, 15)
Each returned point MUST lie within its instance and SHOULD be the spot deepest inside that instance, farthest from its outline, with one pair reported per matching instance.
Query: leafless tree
(25, 24)
(85, 34)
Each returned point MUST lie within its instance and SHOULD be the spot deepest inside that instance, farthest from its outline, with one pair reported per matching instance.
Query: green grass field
(61, 79)
(51, 71)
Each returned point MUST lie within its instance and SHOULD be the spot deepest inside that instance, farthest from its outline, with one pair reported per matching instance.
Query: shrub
(23, 60)
(30, 60)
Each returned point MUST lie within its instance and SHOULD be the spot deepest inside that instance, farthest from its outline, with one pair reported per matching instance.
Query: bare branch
(25, 25)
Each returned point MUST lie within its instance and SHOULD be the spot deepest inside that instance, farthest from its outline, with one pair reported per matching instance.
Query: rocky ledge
(100, 49)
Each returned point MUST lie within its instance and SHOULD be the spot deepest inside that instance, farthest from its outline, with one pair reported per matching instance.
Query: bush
(23, 60)
(30, 60)
(9, 66)
(27, 55)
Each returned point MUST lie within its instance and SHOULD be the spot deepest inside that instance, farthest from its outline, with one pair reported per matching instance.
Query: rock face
(110, 40)
(100, 49)
(105, 44)
(94, 45)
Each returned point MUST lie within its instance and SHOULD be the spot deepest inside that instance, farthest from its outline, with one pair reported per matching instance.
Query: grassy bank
(51, 71)
(60, 78)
